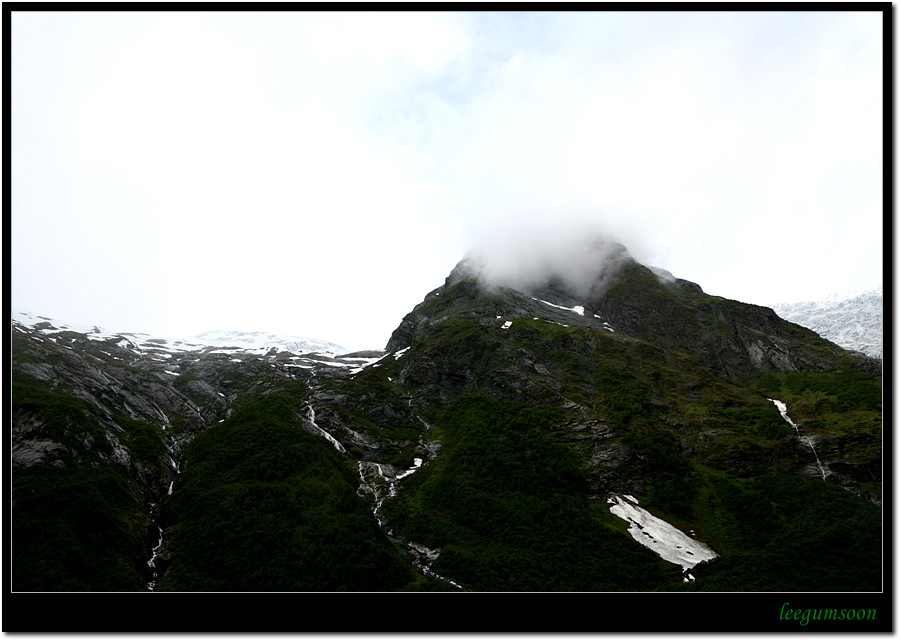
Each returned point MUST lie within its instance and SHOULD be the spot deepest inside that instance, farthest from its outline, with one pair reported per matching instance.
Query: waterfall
(311, 416)
(373, 481)
(782, 408)
(152, 561)
(170, 446)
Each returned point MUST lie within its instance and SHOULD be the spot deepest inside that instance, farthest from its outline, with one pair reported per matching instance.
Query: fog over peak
(580, 256)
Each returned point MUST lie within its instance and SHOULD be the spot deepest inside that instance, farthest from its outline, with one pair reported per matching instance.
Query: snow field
(670, 543)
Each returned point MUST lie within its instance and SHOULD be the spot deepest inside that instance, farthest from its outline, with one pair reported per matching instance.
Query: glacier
(854, 321)
(254, 342)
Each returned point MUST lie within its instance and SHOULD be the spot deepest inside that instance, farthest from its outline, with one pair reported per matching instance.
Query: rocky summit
(610, 428)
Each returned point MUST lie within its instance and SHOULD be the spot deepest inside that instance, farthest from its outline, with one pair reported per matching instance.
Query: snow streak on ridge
(249, 341)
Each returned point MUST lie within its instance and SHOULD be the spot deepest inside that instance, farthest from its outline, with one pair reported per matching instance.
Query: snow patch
(576, 309)
(668, 542)
(257, 342)
(400, 353)
(263, 342)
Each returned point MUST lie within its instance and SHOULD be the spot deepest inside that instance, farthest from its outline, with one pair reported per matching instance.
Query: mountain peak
(580, 265)
(593, 282)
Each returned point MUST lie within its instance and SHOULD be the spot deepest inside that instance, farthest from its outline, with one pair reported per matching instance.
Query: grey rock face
(40, 371)
(29, 452)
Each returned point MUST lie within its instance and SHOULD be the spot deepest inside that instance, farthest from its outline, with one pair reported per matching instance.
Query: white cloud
(318, 173)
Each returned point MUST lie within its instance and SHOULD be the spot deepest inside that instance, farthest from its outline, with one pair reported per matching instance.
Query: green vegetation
(77, 525)
(509, 509)
(785, 533)
(715, 331)
(620, 394)
(844, 405)
(76, 529)
(841, 389)
(464, 341)
(264, 506)
(143, 441)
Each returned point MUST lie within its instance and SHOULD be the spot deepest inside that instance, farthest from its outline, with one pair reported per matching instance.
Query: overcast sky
(316, 174)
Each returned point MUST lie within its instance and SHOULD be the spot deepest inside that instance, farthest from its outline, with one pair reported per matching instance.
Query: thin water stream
(381, 481)
(152, 562)
(311, 416)
(782, 408)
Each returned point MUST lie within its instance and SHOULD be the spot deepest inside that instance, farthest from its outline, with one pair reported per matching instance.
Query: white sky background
(316, 174)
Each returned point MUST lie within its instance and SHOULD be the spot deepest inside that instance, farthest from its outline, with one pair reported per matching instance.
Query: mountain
(854, 321)
(101, 425)
(557, 429)
(248, 341)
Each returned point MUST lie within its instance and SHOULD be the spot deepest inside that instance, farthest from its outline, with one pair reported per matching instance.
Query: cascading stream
(380, 485)
(378, 482)
(152, 561)
(373, 481)
(782, 408)
(311, 416)
(169, 444)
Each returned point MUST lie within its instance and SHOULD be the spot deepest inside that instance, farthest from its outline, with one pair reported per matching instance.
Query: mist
(580, 253)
